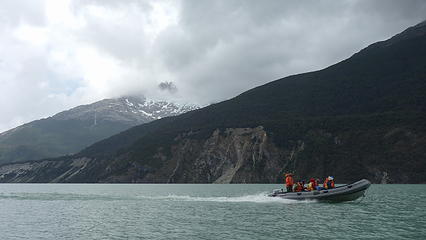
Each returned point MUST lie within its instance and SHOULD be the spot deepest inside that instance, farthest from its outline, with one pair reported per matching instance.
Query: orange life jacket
(289, 181)
(325, 183)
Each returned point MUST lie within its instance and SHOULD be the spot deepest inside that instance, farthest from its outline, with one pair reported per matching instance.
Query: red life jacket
(299, 187)
(289, 181)
(313, 183)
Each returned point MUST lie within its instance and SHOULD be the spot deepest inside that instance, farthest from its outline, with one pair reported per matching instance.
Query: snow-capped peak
(129, 109)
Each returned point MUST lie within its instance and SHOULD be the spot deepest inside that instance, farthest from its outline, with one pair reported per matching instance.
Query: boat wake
(255, 198)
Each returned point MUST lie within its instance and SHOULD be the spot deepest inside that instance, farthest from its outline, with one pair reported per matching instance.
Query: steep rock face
(243, 155)
(43, 171)
(233, 155)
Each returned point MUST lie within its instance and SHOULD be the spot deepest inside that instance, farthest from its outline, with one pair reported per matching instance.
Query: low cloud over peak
(168, 86)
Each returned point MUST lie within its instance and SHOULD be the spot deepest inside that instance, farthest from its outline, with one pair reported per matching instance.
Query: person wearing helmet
(325, 183)
(329, 182)
(289, 182)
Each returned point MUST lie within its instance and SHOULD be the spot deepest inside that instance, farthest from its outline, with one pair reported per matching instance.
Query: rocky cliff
(225, 157)
(238, 155)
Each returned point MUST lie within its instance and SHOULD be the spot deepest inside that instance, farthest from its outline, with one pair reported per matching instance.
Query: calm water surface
(192, 211)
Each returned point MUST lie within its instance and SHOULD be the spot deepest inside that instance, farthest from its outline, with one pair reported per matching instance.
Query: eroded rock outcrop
(232, 155)
(64, 170)
(235, 155)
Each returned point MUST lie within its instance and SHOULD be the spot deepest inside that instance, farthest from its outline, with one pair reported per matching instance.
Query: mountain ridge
(70, 131)
(363, 117)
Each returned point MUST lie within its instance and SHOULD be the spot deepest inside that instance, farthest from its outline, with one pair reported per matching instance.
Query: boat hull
(343, 193)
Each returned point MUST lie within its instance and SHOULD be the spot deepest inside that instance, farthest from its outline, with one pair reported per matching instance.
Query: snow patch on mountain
(129, 109)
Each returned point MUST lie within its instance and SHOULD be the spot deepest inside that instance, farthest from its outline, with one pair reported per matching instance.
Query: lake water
(194, 211)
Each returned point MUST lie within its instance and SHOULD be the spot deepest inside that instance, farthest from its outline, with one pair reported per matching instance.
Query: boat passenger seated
(299, 187)
(317, 185)
(329, 183)
(311, 185)
(317, 181)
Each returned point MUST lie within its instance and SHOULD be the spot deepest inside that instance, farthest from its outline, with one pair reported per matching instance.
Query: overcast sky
(56, 54)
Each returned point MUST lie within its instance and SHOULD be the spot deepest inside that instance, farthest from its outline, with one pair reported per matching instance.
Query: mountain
(363, 117)
(70, 131)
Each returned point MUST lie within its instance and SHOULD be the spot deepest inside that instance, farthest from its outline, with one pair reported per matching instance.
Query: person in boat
(325, 183)
(299, 187)
(329, 182)
(317, 185)
(289, 182)
(311, 185)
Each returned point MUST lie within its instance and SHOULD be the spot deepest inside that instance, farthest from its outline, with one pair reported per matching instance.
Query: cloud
(221, 48)
(59, 54)
(168, 86)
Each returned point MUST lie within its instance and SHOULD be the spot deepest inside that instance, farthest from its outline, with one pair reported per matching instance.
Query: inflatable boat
(343, 193)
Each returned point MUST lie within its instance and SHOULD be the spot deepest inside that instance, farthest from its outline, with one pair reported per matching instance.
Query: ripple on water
(190, 211)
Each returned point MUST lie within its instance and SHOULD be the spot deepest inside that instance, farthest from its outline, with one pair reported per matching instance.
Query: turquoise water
(192, 211)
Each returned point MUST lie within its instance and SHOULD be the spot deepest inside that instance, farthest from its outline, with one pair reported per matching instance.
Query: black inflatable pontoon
(347, 192)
